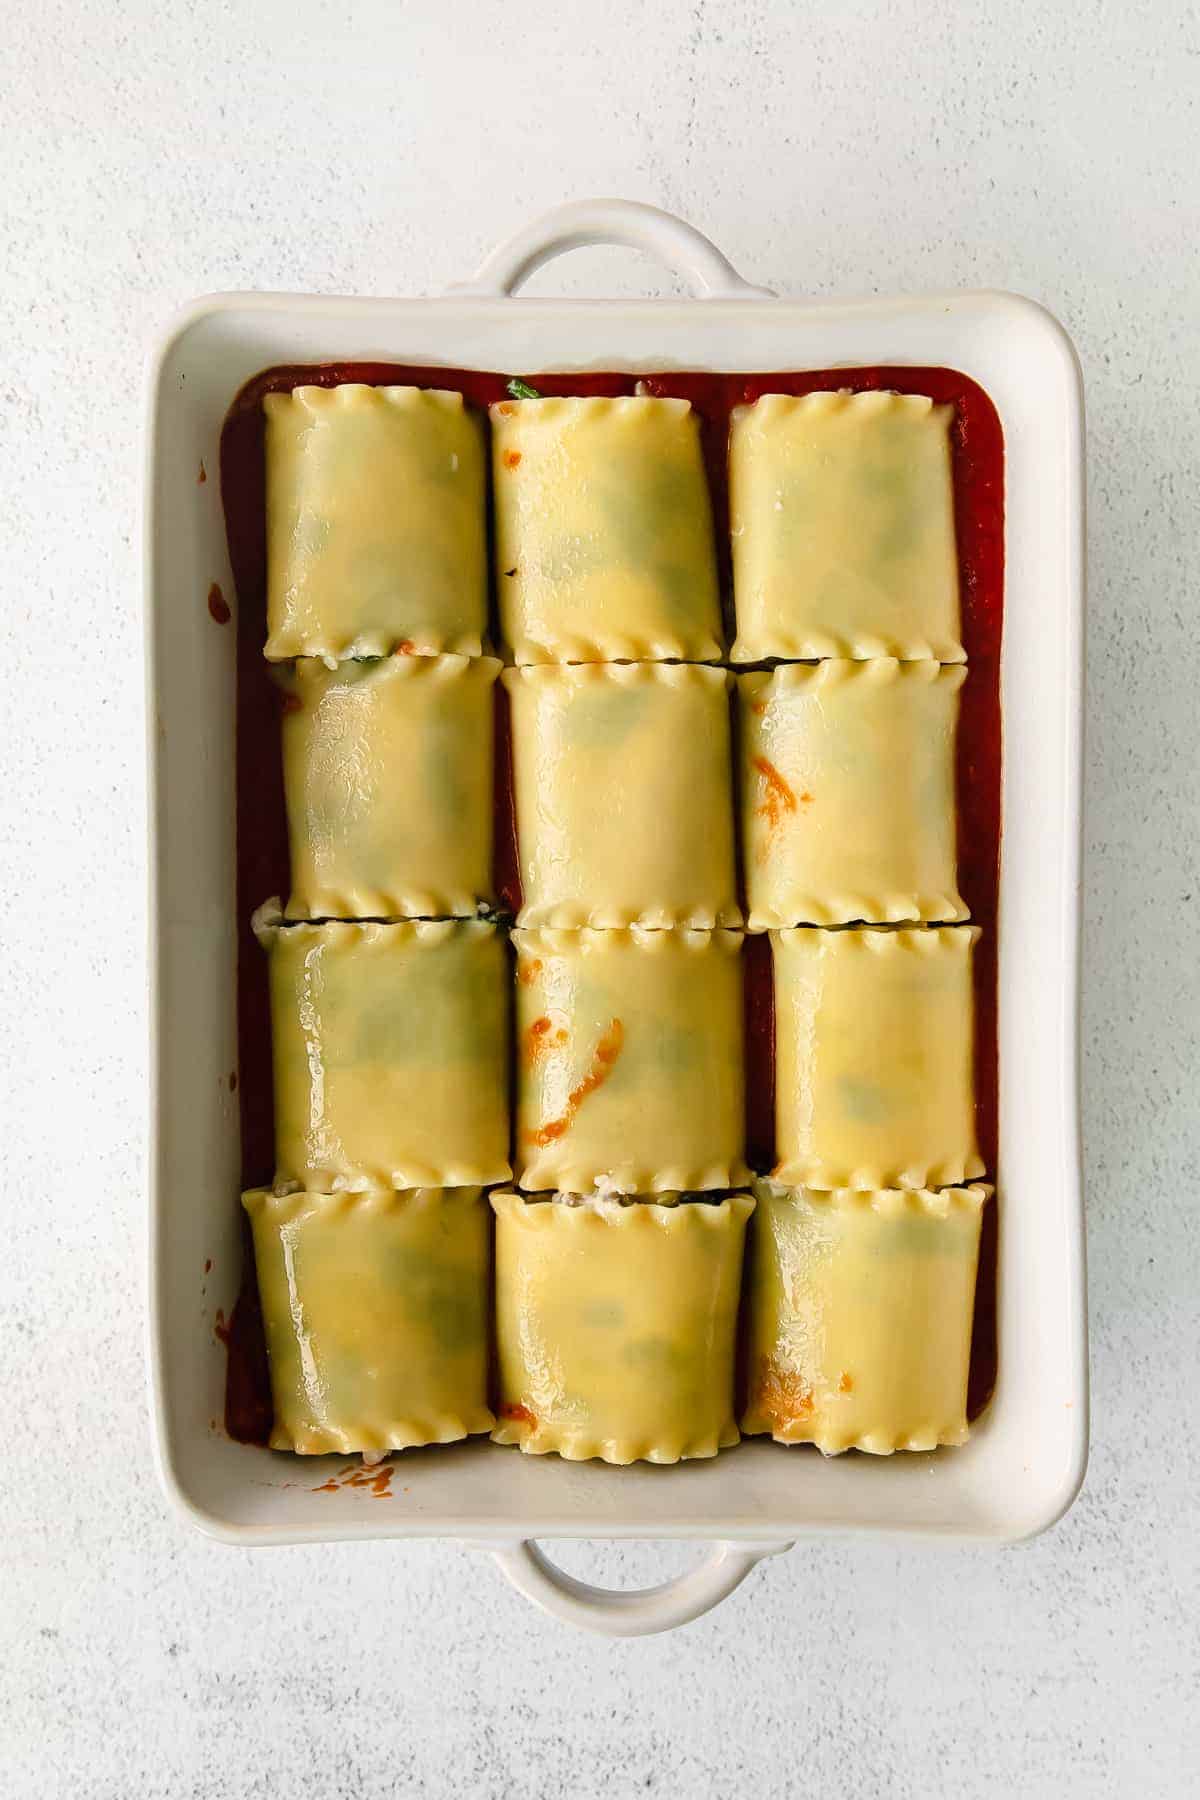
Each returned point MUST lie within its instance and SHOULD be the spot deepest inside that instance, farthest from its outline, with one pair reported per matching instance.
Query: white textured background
(156, 151)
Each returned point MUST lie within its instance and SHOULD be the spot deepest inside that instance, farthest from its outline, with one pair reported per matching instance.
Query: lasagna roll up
(847, 789)
(842, 520)
(629, 1060)
(376, 523)
(874, 1057)
(859, 1316)
(604, 545)
(623, 795)
(390, 1051)
(376, 1308)
(616, 1325)
(387, 773)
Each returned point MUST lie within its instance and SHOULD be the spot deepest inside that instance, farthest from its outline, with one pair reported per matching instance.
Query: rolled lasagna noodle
(390, 1052)
(629, 1060)
(376, 523)
(603, 531)
(874, 1061)
(387, 770)
(842, 517)
(859, 1316)
(847, 773)
(623, 794)
(615, 1326)
(375, 1308)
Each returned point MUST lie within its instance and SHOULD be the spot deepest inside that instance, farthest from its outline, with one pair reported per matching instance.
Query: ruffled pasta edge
(834, 400)
(577, 1444)
(872, 1178)
(875, 1443)
(848, 909)
(549, 940)
(270, 924)
(361, 396)
(286, 643)
(550, 409)
(879, 940)
(445, 906)
(406, 1433)
(446, 668)
(571, 650)
(935, 1202)
(757, 645)
(365, 1179)
(623, 674)
(571, 915)
(566, 1176)
(835, 672)
(591, 1211)
(284, 1203)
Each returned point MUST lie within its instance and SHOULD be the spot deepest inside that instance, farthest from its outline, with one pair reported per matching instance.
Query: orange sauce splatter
(759, 707)
(778, 798)
(781, 1396)
(292, 703)
(202, 477)
(511, 458)
(218, 606)
(528, 972)
(221, 1327)
(506, 409)
(406, 647)
(521, 1415)
(603, 1058)
(846, 1384)
(540, 1037)
(376, 1479)
(207, 1264)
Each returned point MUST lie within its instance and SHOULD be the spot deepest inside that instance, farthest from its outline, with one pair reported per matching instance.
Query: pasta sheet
(616, 1326)
(376, 523)
(629, 1060)
(604, 544)
(848, 811)
(842, 516)
(387, 769)
(376, 1310)
(391, 1053)
(859, 1316)
(623, 794)
(874, 1054)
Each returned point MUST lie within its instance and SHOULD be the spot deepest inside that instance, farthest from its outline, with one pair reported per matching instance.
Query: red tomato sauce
(978, 457)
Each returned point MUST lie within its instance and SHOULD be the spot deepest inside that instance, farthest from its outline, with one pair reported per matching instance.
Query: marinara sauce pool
(977, 448)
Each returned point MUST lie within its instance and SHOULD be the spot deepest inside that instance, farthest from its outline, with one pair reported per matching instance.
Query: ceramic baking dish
(1025, 1460)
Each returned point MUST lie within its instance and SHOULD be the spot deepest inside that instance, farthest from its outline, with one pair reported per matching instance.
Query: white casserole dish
(1024, 1463)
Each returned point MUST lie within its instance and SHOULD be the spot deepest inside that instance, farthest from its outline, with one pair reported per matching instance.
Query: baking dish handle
(638, 227)
(642, 1612)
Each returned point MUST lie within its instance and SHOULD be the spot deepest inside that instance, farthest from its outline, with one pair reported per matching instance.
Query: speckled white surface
(155, 152)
